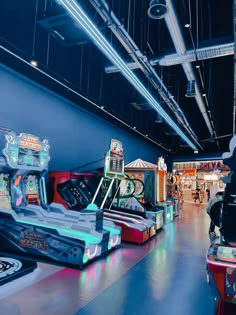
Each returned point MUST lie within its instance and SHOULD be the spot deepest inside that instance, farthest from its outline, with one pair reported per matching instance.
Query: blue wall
(198, 157)
(75, 135)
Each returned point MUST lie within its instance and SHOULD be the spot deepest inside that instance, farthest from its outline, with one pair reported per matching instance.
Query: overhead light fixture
(134, 127)
(146, 135)
(187, 25)
(197, 66)
(195, 151)
(204, 95)
(92, 31)
(102, 107)
(34, 63)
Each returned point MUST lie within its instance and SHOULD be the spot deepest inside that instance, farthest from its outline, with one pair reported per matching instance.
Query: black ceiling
(42, 30)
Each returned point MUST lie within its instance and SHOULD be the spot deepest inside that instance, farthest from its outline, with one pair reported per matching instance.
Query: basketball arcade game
(37, 231)
(134, 227)
(127, 200)
(92, 188)
(155, 192)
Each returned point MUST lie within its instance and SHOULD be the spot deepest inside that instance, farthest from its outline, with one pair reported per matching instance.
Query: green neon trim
(109, 246)
(85, 258)
(89, 239)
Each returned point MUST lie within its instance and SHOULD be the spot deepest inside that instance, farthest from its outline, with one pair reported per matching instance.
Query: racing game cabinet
(32, 229)
(11, 268)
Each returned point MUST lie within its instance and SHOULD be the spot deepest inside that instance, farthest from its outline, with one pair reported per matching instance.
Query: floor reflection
(156, 270)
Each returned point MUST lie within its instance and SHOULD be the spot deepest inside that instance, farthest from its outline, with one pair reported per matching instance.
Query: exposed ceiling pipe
(142, 62)
(200, 54)
(208, 52)
(178, 40)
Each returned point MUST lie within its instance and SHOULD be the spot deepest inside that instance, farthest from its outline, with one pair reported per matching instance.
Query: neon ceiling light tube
(91, 30)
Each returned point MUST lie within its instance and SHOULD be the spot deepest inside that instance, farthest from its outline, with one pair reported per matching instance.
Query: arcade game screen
(32, 189)
(28, 157)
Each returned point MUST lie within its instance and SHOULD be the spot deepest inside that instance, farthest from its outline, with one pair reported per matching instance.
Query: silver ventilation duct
(201, 54)
(208, 52)
(142, 63)
(178, 41)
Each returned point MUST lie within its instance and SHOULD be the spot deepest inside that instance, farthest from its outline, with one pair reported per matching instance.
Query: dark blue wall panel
(198, 157)
(76, 136)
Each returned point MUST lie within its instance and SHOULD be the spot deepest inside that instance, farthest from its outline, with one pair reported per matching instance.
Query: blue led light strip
(79, 15)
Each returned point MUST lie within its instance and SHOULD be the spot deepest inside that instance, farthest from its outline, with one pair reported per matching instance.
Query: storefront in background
(203, 175)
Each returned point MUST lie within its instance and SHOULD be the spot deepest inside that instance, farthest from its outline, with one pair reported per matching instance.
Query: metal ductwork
(142, 63)
(200, 54)
(157, 9)
(177, 38)
(208, 52)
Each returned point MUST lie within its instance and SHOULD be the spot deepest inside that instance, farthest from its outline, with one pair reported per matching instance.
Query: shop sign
(200, 165)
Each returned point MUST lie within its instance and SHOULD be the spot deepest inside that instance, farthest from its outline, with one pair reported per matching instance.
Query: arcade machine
(31, 229)
(173, 192)
(127, 201)
(154, 179)
(11, 268)
(221, 256)
(85, 188)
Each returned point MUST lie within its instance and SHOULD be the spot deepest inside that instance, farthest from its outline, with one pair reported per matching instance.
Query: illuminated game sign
(201, 165)
(114, 163)
(26, 152)
(161, 164)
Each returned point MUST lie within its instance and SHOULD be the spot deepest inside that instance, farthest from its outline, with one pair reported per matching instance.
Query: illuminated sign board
(200, 165)
(114, 164)
(161, 165)
(29, 142)
(26, 152)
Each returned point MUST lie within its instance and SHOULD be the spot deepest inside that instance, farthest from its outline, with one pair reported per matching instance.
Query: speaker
(157, 9)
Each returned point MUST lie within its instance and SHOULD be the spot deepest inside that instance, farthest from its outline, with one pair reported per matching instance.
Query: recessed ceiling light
(134, 127)
(102, 107)
(146, 135)
(187, 25)
(204, 94)
(197, 66)
(34, 63)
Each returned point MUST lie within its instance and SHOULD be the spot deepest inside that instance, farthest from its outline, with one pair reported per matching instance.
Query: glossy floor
(167, 275)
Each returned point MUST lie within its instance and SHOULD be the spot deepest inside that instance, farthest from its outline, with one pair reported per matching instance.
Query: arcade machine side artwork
(33, 236)
(11, 268)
